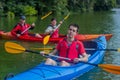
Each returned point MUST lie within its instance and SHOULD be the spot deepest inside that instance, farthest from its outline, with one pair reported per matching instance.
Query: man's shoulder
(79, 42)
(17, 25)
(62, 41)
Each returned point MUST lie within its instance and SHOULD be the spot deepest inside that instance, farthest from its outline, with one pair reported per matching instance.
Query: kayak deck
(81, 37)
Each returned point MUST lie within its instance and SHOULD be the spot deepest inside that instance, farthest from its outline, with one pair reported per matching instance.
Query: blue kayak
(48, 72)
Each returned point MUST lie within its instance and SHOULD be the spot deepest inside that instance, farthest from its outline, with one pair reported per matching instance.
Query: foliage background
(39, 7)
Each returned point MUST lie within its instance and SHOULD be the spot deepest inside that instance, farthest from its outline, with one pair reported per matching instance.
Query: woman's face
(54, 22)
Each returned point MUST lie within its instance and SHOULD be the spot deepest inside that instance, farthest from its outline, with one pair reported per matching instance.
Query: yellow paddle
(46, 15)
(14, 48)
(115, 69)
(66, 16)
(46, 39)
(60, 23)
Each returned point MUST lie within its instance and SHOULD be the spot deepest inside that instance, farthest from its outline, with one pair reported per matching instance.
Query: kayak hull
(81, 37)
(48, 72)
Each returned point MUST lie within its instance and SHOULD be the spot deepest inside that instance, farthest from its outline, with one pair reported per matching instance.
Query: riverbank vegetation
(40, 7)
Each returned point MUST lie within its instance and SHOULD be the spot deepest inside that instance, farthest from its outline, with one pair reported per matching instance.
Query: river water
(90, 23)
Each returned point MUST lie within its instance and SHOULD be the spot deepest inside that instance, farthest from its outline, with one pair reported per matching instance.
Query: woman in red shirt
(53, 29)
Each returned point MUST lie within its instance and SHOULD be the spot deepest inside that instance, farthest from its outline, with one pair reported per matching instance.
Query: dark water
(90, 23)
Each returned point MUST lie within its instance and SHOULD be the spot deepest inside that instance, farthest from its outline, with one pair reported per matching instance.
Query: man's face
(22, 20)
(72, 31)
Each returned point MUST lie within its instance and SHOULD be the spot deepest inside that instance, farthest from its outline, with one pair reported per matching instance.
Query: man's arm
(84, 58)
(16, 31)
(54, 52)
(32, 26)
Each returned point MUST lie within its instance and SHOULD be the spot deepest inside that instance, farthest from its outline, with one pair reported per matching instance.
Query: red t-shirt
(70, 51)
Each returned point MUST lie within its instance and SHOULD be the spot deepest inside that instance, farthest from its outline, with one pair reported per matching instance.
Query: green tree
(40, 7)
(1, 9)
(56, 6)
(104, 5)
(29, 10)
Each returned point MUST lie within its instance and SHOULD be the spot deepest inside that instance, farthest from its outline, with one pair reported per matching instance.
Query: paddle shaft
(60, 23)
(46, 15)
(101, 49)
(96, 65)
(32, 51)
(85, 49)
(60, 57)
(50, 55)
(47, 55)
(25, 30)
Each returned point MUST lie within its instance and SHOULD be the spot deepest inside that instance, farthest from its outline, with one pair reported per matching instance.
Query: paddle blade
(112, 71)
(110, 68)
(13, 48)
(46, 39)
(118, 49)
(67, 16)
(46, 15)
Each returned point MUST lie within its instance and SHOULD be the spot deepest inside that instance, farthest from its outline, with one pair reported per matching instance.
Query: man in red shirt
(22, 28)
(69, 48)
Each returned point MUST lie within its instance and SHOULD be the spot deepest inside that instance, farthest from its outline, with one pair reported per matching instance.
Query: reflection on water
(111, 57)
(90, 23)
